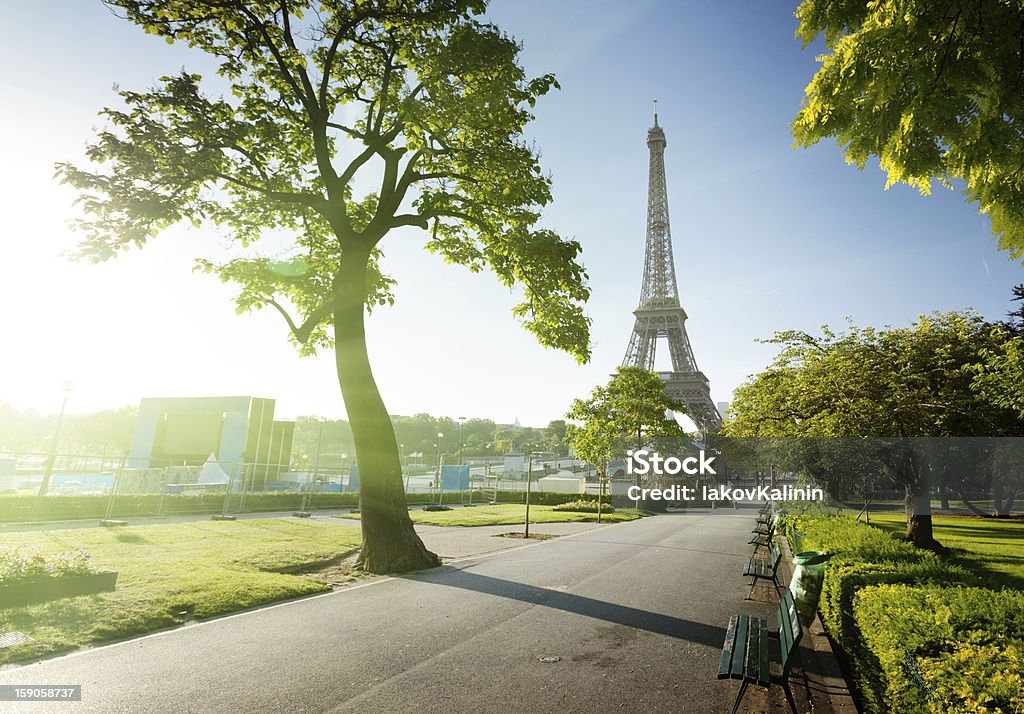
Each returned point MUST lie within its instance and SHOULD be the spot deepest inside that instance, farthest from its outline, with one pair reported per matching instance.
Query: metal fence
(37, 486)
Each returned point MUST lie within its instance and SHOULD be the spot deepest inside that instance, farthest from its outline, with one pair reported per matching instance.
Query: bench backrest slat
(776, 555)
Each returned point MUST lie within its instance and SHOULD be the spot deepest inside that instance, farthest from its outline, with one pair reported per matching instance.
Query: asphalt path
(625, 617)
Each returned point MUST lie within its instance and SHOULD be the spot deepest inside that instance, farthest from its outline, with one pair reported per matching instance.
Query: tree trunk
(1001, 506)
(390, 543)
(919, 519)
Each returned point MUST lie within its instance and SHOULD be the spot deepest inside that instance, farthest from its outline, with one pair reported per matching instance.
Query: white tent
(212, 472)
(562, 482)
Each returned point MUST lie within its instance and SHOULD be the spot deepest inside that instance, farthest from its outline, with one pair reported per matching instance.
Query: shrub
(936, 649)
(585, 507)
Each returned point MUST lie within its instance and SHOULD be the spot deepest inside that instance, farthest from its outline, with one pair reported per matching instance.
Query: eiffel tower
(659, 313)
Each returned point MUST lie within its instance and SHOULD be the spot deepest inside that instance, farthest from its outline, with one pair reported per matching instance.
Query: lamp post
(462, 420)
(48, 472)
(303, 511)
(440, 490)
(344, 463)
(403, 461)
(529, 479)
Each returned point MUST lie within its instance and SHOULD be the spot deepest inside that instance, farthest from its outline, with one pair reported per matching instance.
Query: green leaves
(906, 382)
(932, 88)
(1000, 377)
(428, 100)
(622, 414)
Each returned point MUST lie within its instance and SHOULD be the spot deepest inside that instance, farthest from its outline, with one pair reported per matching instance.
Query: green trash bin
(806, 583)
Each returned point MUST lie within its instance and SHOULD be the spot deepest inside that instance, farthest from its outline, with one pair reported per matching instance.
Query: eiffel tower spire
(660, 313)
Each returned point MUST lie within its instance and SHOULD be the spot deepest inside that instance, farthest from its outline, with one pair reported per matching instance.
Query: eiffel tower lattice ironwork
(659, 313)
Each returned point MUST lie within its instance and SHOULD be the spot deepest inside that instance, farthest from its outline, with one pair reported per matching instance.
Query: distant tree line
(103, 432)
(419, 443)
(110, 431)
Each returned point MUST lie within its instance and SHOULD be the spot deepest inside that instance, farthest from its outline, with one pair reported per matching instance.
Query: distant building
(515, 464)
(724, 409)
(240, 434)
(8, 473)
(563, 482)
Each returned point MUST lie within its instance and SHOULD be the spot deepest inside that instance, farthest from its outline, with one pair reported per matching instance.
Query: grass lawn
(991, 547)
(171, 573)
(507, 514)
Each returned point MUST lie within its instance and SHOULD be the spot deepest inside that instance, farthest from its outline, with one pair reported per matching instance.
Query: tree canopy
(421, 95)
(932, 88)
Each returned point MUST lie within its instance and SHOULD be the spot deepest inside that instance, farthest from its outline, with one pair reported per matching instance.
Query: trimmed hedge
(864, 556)
(18, 508)
(917, 640)
(937, 649)
(57, 508)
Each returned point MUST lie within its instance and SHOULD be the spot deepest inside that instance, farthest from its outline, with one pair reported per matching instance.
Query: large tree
(933, 88)
(895, 384)
(422, 99)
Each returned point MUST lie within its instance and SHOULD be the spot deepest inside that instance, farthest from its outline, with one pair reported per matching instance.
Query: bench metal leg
(778, 587)
(789, 696)
(750, 595)
(739, 697)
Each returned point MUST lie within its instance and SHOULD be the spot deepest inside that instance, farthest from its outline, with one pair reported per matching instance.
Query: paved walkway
(631, 615)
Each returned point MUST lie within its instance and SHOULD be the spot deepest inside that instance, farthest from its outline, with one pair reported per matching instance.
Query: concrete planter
(36, 591)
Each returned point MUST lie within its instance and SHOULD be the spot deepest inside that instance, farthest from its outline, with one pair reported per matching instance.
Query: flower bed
(582, 506)
(29, 576)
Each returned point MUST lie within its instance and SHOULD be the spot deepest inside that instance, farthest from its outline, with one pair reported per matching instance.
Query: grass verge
(992, 548)
(510, 514)
(172, 573)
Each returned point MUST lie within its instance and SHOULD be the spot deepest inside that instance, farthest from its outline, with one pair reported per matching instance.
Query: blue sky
(766, 237)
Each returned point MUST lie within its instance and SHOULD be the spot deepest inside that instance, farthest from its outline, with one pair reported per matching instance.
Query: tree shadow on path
(697, 632)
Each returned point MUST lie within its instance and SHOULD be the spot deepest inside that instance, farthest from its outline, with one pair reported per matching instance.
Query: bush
(936, 649)
(582, 506)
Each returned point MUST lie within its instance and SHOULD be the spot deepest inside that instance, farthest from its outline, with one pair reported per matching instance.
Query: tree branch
(309, 200)
(410, 219)
(303, 331)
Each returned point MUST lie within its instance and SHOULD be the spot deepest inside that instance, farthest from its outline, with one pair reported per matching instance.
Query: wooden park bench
(745, 654)
(758, 569)
(760, 539)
